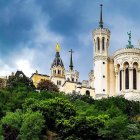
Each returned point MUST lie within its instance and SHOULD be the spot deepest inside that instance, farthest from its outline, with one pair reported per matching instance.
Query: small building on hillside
(37, 77)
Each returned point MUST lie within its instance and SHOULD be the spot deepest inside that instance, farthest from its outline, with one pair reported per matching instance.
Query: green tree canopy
(32, 125)
(47, 85)
(19, 82)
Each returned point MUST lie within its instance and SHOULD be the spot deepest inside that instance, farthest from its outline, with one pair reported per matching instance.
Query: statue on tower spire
(101, 19)
(57, 47)
(71, 62)
(129, 41)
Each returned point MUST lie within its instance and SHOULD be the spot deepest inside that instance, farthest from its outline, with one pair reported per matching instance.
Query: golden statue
(57, 47)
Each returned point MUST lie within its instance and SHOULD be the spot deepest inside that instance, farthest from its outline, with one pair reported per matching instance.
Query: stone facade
(118, 74)
(112, 75)
(36, 78)
(127, 71)
(101, 37)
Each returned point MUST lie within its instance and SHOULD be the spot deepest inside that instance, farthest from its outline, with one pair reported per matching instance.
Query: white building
(118, 74)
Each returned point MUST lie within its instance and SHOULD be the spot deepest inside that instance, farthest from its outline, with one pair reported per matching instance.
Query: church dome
(57, 61)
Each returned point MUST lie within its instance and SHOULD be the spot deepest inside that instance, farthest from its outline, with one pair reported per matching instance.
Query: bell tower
(101, 39)
(57, 69)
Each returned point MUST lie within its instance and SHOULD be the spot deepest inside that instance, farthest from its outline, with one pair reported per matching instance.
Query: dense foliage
(29, 115)
(47, 85)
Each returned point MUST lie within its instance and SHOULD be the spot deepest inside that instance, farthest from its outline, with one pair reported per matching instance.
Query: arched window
(107, 43)
(59, 82)
(95, 45)
(59, 71)
(54, 71)
(87, 93)
(134, 79)
(98, 43)
(126, 78)
(72, 79)
(103, 43)
(120, 80)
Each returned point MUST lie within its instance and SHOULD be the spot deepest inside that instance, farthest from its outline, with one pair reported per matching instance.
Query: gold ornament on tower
(57, 47)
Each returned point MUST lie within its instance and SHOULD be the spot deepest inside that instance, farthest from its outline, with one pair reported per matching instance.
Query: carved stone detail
(96, 58)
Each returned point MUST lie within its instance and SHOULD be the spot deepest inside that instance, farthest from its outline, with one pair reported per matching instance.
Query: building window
(95, 45)
(107, 44)
(58, 71)
(103, 62)
(103, 89)
(98, 43)
(103, 76)
(72, 79)
(103, 43)
(134, 79)
(120, 80)
(68, 79)
(58, 82)
(127, 78)
(87, 92)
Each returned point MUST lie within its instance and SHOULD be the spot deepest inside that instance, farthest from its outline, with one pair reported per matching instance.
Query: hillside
(26, 114)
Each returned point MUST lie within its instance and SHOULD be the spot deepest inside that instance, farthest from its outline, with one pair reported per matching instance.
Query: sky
(30, 29)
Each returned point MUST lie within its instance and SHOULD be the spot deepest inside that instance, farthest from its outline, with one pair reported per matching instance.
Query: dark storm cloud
(36, 24)
(15, 24)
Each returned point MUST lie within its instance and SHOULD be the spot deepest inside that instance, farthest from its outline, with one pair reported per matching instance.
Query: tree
(1, 132)
(131, 108)
(114, 128)
(2, 83)
(47, 85)
(4, 99)
(11, 124)
(75, 96)
(33, 123)
(82, 128)
(52, 109)
(19, 82)
(134, 131)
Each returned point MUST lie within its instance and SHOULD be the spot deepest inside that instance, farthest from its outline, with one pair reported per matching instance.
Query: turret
(101, 39)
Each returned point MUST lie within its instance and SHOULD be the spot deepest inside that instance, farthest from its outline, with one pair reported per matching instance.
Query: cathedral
(118, 74)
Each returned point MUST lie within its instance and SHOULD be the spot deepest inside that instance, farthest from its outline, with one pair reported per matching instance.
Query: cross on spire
(101, 19)
(71, 62)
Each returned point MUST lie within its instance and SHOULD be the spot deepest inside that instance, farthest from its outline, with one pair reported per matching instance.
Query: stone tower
(57, 69)
(101, 39)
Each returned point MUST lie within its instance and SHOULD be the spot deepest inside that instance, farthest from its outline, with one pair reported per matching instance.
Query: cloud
(37, 52)
(119, 27)
(30, 29)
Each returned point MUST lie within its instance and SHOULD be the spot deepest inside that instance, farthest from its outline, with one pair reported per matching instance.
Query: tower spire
(101, 19)
(71, 62)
